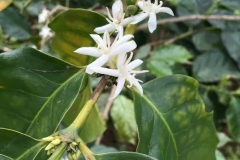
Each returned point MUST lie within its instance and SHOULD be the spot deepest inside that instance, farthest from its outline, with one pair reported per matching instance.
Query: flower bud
(132, 10)
(56, 142)
(69, 156)
(48, 139)
(131, 2)
(74, 156)
(72, 147)
(74, 143)
(50, 146)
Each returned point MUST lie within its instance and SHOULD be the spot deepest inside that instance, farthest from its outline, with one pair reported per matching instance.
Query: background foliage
(207, 50)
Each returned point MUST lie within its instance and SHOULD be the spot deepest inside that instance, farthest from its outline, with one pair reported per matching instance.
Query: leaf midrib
(164, 121)
(54, 93)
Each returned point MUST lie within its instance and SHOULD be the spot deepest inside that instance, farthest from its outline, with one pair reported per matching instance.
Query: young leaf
(122, 113)
(72, 29)
(233, 120)
(172, 121)
(123, 156)
(36, 91)
(18, 146)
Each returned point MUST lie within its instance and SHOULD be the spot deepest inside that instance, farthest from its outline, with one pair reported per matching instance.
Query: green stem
(67, 3)
(88, 154)
(59, 152)
(84, 113)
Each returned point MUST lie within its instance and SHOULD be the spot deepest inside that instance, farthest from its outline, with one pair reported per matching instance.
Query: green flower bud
(74, 143)
(74, 157)
(132, 9)
(48, 139)
(49, 146)
(56, 142)
(69, 155)
(72, 147)
(131, 2)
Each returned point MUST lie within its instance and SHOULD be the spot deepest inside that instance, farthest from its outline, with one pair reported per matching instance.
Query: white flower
(116, 21)
(42, 17)
(150, 10)
(124, 72)
(45, 32)
(105, 49)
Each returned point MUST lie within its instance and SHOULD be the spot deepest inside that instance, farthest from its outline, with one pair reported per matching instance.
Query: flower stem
(84, 113)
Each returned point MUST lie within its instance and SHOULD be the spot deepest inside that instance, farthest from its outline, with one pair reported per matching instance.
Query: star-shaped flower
(105, 49)
(150, 10)
(45, 32)
(125, 72)
(116, 20)
(42, 17)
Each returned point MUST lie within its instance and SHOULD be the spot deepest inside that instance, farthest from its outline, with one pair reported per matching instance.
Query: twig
(181, 36)
(57, 8)
(106, 111)
(193, 17)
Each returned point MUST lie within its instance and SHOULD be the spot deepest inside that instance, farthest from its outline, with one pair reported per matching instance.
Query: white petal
(120, 31)
(91, 51)
(108, 28)
(116, 8)
(120, 60)
(139, 17)
(128, 20)
(106, 71)
(120, 85)
(134, 64)
(124, 48)
(152, 22)
(140, 5)
(165, 10)
(97, 63)
(124, 39)
(97, 38)
(138, 86)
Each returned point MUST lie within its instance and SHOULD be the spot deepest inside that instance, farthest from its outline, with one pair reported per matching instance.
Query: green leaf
(205, 41)
(72, 29)
(213, 66)
(4, 4)
(143, 51)
(36, 91)
(223, 139)
(231, 41)
(14, 25)
(164, 58)
(18, 146)
(171, 125)
(122, 113)
(5, 158)
(219, 155)
(97, 149)
(233, 120)
(123, 155)
(94, 125)
(231, 4)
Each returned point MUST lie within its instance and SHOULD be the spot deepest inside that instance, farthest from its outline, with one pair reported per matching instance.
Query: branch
(193, 17)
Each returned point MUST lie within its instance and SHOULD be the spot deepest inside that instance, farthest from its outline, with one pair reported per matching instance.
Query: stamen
(109, 14)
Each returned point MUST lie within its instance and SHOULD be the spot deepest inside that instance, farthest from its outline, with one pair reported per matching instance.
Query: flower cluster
(105, 50)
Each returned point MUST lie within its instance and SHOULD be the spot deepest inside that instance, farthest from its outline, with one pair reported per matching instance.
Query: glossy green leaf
(231, 4)
(72, 29)
(213, 66)
(18, 146)
(143, 51)
(36, 91)
(233, 120)
(123, 156)
(14, 25)
(171, 125)
(122, 113)
(94, 125)
(2, 157)
(231, 41)
(205, 41)
(164, 58)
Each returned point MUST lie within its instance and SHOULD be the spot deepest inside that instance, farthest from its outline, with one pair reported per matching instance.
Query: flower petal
(134, 64)
(120, 60)
(106, 71)
(140, 5)
(138, 86)
(91, 51)
(128, 20)
(97, 63)
(139, 17)
(165, 10)
(120, 31)
(97, 38)
(152, 22)
(124, 39)
(120, 85)
(116, 8)
(124, 48)
(108, 28)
